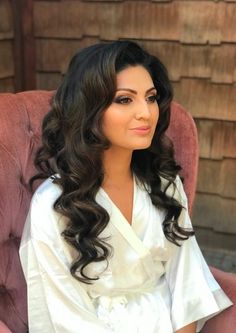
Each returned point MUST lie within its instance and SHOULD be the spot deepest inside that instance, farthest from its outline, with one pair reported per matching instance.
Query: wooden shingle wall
(6, 47)
(197, 42)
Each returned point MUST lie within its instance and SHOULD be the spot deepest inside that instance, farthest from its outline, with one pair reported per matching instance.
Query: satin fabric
(147, 285)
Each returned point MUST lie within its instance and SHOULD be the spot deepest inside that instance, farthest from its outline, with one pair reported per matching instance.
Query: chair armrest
(226, 320)
(4, 328)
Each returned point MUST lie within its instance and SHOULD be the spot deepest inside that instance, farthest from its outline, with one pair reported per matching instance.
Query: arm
(187, 273)
(57, 302)
(191, 328)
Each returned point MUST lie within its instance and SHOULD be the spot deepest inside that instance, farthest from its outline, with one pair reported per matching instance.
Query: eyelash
(127, 100)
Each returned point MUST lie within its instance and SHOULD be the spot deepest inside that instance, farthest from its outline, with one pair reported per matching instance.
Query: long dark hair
(73, 144)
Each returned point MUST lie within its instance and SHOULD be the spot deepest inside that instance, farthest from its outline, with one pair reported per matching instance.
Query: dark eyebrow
(134, 91)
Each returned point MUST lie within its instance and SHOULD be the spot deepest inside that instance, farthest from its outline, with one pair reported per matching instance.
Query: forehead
(134, 77)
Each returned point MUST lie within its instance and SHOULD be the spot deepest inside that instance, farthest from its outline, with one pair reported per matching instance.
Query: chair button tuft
(2, 289)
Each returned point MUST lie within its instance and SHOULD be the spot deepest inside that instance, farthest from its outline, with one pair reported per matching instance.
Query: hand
(191, 328)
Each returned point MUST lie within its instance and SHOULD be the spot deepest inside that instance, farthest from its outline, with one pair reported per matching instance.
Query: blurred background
(196, 40)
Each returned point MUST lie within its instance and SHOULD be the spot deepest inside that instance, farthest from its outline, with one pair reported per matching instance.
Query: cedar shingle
(229, 27)
(207, 100)
(147, 20)
(222, 62)
(7, 85)
(53, 55)
(6, 24)
(182, 60)
(6, 59)
(196, 22)
(215, 240)
(48, 81)
(217, 177)
(58, 19)
(212, 211)
(72, 19)
(216, 138)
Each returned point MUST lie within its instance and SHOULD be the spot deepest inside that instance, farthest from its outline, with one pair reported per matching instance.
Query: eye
(123, 100)
(153, 98)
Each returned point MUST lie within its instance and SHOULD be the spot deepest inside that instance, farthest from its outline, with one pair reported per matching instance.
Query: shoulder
(47, 192)
(42, 219)
(176, 190)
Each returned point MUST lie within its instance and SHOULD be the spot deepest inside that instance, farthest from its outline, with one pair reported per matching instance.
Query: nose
(143, 111)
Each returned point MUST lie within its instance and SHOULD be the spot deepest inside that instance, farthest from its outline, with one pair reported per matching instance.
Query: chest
(123, 199)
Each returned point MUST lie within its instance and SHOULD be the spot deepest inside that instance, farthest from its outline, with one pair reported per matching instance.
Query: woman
(108, 245)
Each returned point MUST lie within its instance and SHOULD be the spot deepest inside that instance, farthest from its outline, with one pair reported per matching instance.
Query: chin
(143, 146)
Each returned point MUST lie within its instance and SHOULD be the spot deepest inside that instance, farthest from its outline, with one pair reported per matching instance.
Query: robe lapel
(152, 267)
(119, 222)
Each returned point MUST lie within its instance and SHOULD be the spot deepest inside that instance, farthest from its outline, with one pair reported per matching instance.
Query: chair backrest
(183, 133)
(20, 126)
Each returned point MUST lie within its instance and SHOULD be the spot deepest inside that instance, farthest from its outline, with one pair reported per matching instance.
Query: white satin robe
(149, 285)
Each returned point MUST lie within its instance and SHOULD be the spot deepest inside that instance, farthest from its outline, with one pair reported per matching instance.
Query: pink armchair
(20, 123)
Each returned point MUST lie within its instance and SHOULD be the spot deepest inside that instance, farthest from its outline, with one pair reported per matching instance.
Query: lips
(141, 128)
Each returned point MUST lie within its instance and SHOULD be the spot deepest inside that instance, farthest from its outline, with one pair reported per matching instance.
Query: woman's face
(130, 121)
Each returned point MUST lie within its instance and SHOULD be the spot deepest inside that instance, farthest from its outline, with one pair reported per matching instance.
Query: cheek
(110, 121)
(155, 114)
(112, 124)
(114, 119)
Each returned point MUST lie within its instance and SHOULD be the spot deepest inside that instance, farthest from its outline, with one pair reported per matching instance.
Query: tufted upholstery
(225, 322)
(20, 122)
(183, 134)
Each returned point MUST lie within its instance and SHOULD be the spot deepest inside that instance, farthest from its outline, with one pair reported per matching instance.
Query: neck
(116, 164)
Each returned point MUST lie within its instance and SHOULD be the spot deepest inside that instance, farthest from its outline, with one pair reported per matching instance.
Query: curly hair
(73, 144)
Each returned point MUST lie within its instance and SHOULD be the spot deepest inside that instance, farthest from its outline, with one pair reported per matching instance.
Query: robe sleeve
(195, 294)
(57, 302)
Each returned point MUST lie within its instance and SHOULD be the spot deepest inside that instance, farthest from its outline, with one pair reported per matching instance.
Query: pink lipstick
(143, 130)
